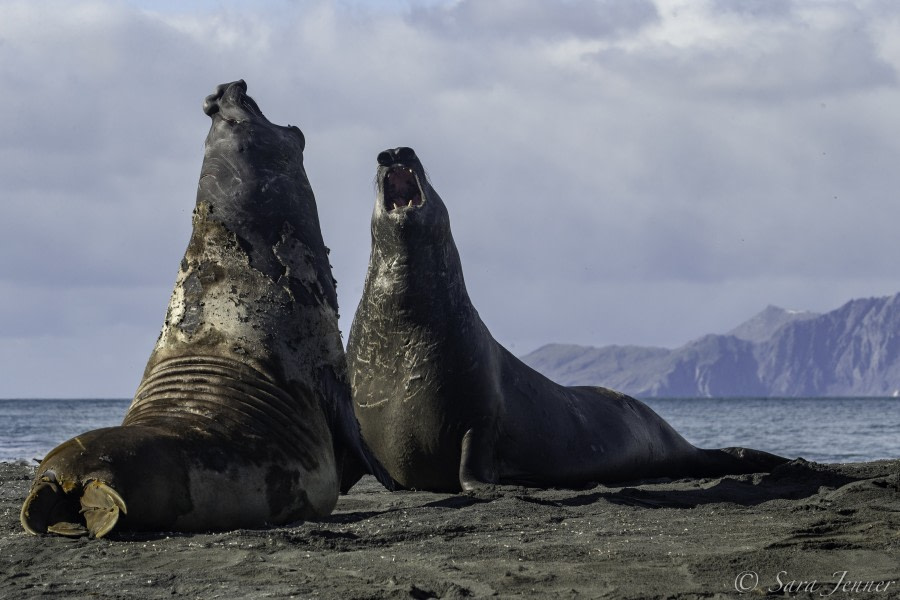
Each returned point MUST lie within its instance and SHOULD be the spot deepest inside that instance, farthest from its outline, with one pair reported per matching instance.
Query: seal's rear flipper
(101, 506)
(735, 461)
(48, 509)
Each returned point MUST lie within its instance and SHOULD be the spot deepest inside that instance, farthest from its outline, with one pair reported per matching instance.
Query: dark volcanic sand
(682, 539)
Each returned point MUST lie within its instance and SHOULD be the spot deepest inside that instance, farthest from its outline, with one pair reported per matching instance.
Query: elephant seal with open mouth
(243, 417)
(445, 407)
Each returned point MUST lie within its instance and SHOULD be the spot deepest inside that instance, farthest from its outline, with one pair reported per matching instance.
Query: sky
(616, 171)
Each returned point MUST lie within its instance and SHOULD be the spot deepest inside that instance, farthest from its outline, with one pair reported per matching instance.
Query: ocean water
(31, 428)
(817, 429)
(827, 430)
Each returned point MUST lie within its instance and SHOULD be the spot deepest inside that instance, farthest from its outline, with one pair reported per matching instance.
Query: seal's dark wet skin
(243, 417)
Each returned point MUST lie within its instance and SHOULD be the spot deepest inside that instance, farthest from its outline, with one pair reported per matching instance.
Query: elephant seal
(243, 417)
(444, 407)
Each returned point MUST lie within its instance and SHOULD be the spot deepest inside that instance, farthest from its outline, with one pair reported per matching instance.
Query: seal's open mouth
(401, 188)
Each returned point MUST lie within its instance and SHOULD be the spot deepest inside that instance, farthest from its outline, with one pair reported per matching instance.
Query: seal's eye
(401, 188)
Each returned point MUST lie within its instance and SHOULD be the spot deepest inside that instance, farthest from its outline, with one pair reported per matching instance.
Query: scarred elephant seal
(445, 407)
(243, 417)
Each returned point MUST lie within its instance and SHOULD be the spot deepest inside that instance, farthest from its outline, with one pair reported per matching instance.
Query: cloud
(615, 171)
(523, 20)
(808, 51)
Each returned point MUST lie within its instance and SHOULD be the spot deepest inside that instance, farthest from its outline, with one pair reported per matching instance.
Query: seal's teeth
(401, 189)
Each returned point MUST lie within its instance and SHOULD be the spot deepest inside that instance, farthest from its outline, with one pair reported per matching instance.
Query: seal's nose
(396, 155)
(211, 103)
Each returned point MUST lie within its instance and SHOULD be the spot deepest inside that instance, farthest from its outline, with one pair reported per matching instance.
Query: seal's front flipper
(101, 506)
(477, 466)
(48, 509)
(359, 461)
(351, 451)
(351, 472)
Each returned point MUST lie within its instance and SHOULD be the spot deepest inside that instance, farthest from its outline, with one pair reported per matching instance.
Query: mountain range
(851, 351)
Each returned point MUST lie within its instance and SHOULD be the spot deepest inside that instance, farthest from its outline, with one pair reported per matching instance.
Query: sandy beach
(806, 531)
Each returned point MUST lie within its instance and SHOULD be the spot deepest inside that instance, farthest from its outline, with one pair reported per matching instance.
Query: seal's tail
(736, 461)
